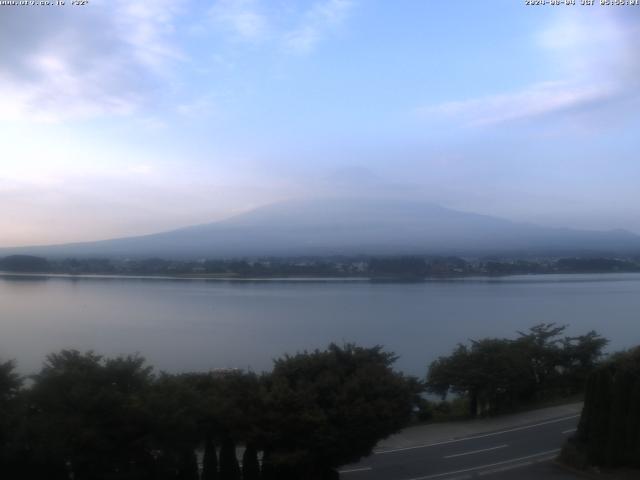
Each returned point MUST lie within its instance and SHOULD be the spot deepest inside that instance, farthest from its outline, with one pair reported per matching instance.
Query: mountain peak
(352, 224)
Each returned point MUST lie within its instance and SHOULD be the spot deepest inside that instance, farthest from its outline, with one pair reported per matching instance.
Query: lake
(181, 325)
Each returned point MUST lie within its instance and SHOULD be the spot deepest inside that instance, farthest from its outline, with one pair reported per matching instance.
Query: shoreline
(320, 279)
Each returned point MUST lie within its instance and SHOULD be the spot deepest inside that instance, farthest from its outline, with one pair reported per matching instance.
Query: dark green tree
(452, 374)
(632, 432)
(542, 347)
(398, 267)
(499, 374)
(10, 384)
(229, 468)
(209, 460)
(188, 467)
(609, 429)
(581, 355)
(250, 465)
(87, 412)
(491, 373)
(328, 408)
(267, 469)
(24, 263)
(234, 405)
(174, 429)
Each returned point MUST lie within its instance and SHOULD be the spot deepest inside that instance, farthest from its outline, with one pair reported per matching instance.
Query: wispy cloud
(316, 23)
(533, 101)
(241, 18)
(106, 63)
(199, 107)
(297, 31)
(594, 61)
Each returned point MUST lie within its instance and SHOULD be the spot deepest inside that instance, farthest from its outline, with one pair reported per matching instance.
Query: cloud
(241, 18)
(199, 107)
(139, 199)
(533, 101)
(105, 59)
(597, 45)
(297, 31)
(321, 18)
(593, 62)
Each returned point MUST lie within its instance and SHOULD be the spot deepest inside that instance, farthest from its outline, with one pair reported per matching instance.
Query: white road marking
(571, 430)
(465, 439)
(354, 470)
(493, 471)
(476, 451)
(480, 467)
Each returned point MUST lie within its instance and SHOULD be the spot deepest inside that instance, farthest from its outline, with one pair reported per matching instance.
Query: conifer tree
(616, 441)
(210, 460)
(609, 428)
(267, 471)
(250, 465)
(229, 468)
(632, 456)
(188, 469)
(602, 407)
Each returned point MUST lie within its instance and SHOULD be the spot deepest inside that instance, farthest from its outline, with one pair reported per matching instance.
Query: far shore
(310, 279)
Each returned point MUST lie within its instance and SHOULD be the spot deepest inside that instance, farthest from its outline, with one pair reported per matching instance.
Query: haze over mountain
(348, 226)
(153, 115)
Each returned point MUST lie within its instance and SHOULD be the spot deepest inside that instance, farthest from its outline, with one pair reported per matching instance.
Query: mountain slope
(351, 226)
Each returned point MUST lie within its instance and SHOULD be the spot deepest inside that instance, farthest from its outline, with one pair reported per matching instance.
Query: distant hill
(347, 226)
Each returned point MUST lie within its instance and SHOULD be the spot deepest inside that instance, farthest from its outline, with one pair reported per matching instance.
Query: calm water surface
(183, 325)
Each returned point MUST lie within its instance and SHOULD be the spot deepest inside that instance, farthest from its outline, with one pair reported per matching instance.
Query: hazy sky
(126, 117)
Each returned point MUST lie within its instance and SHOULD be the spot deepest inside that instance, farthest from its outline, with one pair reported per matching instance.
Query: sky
(122, 118)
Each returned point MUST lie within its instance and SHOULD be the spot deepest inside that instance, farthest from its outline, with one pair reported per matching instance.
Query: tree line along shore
(388, 267)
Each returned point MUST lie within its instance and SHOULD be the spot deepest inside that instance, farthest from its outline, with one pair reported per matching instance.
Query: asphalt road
(528, 449)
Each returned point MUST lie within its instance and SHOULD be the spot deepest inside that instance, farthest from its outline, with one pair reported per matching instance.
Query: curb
(576, 471)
